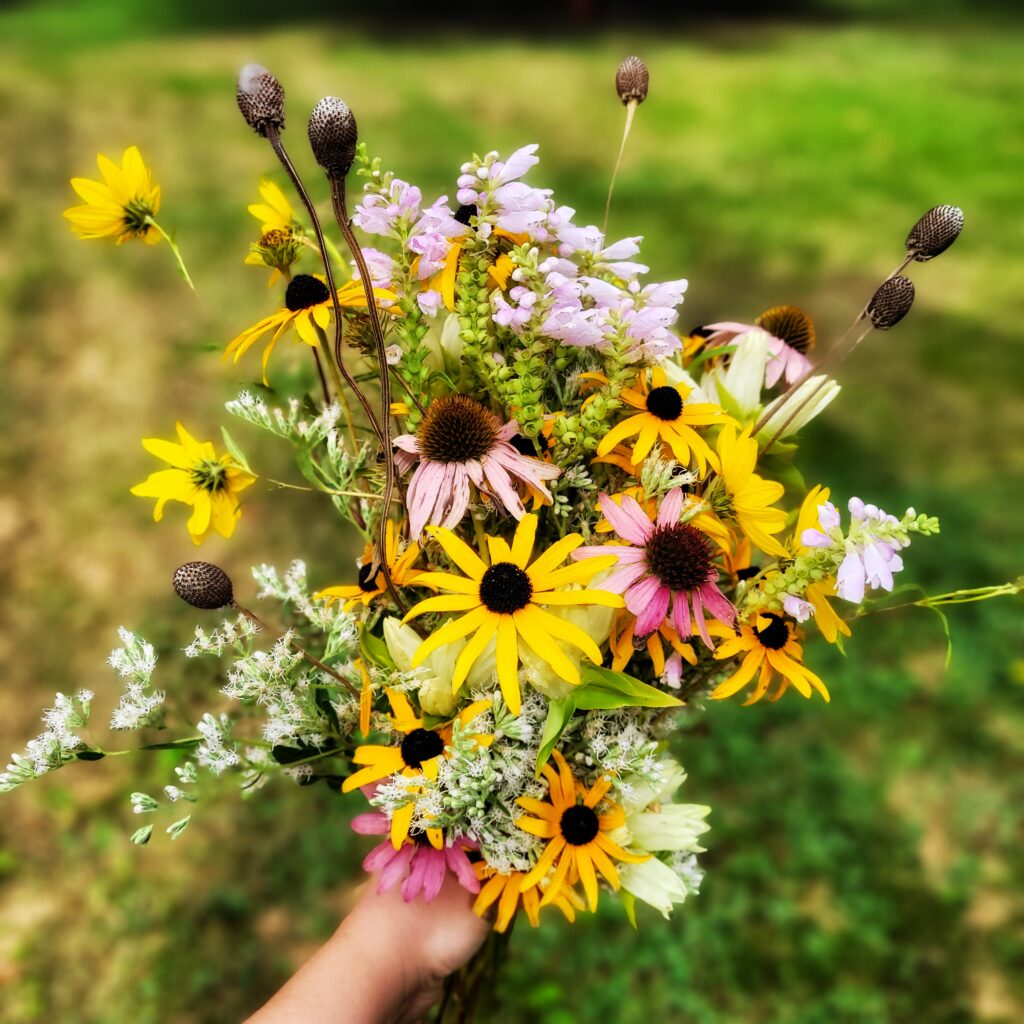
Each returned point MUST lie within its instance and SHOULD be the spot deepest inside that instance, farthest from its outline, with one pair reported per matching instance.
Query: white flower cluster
(53, 747)
(139, 706)
(230, 633)
(217, 751)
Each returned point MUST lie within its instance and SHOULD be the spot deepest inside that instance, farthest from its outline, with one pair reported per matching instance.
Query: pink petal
(717, 603)
(395, 871)
(423, 488)
(623, 578)
(435, 869)
(500, 486)
(374, 823)
(413, 884)
(625, 525)
(455, 497)
(698, 616)
(649, 604)
(379, 857)
(461, 867)
(681, 615)
(671, 507)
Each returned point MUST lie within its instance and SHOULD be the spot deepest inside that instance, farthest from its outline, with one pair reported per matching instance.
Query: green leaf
(629, 905)
(602, 689)
(559, 713)
(236, 452)
(375, 650)
(174, 744)
(712, 352)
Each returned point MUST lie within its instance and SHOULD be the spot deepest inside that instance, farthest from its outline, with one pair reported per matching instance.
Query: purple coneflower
(790, 337)
(459, 443)
(417, 865)
(661, 563)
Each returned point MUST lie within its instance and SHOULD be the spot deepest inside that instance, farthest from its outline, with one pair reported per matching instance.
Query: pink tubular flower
(661, 563)
(418, 866)
(459, 443)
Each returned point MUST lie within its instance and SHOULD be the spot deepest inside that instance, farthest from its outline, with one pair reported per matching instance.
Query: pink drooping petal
(413, 883)
(395, 871)
(499, 485)
(407, 443)
(423, 488)
(379, 857)
(373, 823)
(649, 604)
(694, 598)
(459, 864)
(671, 507)
(681, 615)
(636, 531)
(717, 603)
(456, 499)
(434, 870)
(622, 578)
(773, 370)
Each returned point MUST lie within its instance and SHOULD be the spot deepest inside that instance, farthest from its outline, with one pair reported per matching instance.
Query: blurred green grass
(864, 862)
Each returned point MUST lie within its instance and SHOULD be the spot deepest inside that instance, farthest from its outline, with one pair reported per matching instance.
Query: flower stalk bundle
(574, 520)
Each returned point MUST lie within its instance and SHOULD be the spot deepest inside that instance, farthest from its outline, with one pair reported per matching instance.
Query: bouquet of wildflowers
(581, 527)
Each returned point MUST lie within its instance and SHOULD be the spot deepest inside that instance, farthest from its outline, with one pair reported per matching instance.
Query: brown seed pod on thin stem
(208, 587)
(632, 82)
(333, 135)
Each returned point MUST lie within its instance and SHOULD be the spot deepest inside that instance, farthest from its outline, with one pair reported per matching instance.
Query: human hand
(386, 962)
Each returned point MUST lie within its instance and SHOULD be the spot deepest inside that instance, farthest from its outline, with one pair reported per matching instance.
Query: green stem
(174, 248)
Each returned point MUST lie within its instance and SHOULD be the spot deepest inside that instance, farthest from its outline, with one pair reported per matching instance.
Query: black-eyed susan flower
(664, 416)
(741, 498)
(770, 650)
(419, 753)
(507, 891)
(577, 834)
(503, 602)
(199, 477)
(370, 585)
(122, 206)
(307, 306)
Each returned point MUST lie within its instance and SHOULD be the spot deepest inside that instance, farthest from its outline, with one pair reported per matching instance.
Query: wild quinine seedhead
(333, 136)
(203, 585)
(260, 98)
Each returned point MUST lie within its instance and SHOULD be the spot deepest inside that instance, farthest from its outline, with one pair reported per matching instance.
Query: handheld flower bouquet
(580, 524)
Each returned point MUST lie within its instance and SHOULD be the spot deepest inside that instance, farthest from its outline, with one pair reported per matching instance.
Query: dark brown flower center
(579, 825)
(420, 745)
(775, 635)
(505, 588)
(791, 324)
(457, 429)
(665, 402)
(680, 556)
(304, 291)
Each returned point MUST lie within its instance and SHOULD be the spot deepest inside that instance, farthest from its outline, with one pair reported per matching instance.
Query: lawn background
(865, 859)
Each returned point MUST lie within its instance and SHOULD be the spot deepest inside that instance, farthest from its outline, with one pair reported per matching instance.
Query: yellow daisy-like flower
(275, 212)
(771, 650)
(819, 592)
(507, 891)
(503, 601)
(741, 497)
(209, 482)
(420, 752)
(578, 834)
(665, 416)
(307, 305)
(369, 587)
(122, 206)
